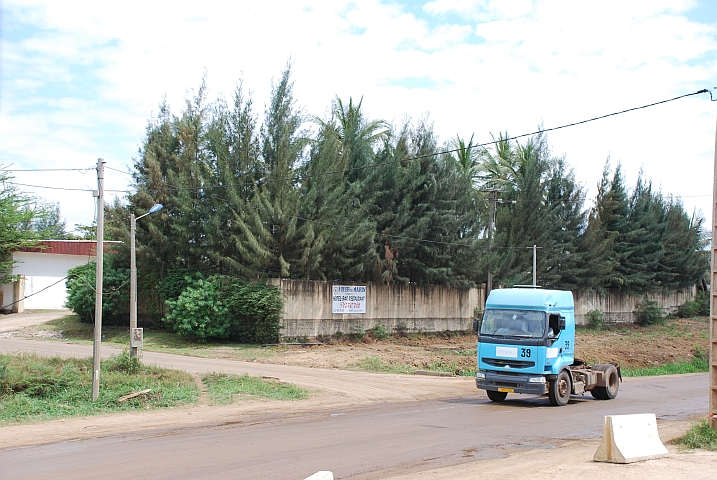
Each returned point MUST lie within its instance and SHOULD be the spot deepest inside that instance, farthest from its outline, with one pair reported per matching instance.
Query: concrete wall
(307, 308)
(617, 307)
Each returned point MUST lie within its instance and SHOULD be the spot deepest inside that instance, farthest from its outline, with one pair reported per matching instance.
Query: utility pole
(132, 284)
(713, 302)
(98, 278)
(535, 264)
(133, 344)
(492, 198)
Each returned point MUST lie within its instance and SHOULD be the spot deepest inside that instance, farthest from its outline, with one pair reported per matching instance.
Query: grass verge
(36, 388)
(224, 389)
(698, 364)
(375, 364)
(156, 340)
(701, 435)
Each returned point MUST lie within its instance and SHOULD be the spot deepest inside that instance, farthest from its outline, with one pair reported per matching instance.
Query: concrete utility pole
(713, 301)
(133, 347)
(98, 278)
(535, 264)
(492, 199)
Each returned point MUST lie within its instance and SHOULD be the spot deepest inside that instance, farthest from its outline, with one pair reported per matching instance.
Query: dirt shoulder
(632, 346)
(573, 459)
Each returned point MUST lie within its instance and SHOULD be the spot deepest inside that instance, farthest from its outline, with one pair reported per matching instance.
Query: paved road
(375, 441)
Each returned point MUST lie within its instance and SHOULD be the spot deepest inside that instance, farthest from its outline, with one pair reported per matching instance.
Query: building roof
(85, 248)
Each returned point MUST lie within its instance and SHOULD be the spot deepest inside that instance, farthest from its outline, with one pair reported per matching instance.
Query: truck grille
(500, 362)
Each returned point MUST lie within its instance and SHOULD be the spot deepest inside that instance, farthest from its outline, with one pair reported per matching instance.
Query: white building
(44, 269)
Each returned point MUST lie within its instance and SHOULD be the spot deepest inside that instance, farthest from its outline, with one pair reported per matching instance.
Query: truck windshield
(514, 323)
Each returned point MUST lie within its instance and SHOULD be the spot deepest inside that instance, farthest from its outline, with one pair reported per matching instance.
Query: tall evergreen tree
(282, 148)
(597, 241)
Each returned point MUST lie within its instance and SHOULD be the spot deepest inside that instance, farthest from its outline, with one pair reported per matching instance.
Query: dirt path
(17, 321)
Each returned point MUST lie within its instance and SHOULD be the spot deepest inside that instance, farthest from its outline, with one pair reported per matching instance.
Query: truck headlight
(480, 375)
(536, 380)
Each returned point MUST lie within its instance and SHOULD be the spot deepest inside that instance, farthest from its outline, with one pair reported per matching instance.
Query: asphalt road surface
(375, 441)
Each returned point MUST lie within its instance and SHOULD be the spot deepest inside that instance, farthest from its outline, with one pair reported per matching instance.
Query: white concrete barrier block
(322, 475)
(630, 438)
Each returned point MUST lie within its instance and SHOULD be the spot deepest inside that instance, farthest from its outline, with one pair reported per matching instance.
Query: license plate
(507, 390)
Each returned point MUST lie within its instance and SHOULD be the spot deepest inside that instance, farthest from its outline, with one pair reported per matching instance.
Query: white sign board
(348, 299)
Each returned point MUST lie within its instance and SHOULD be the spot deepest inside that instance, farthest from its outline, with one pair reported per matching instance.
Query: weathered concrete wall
(307, 308)
(617, 307)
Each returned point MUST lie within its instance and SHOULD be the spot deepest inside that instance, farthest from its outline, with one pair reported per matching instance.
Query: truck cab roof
(530, 298)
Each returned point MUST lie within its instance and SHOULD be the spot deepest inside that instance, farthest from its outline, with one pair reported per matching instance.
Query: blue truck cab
(526, 344)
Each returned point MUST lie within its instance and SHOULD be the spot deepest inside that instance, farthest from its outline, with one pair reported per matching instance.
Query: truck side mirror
(476, 325)
(561, 323)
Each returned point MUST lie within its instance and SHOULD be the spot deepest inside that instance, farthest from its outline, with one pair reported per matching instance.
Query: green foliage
(124, 363)
(222, 307)
(699, 307)
(224, 389)
(17, 211)
(595, 319)
(357, 333)
(256, 310)
(81, 292)
(380, 331)
(199, 312)
(38, 388)
(363, 200)
(376, 364)
(649, 312)
(700, 435)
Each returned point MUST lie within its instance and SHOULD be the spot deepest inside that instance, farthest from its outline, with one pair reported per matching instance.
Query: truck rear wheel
(613, 383)
(496, 396)
(559, 393)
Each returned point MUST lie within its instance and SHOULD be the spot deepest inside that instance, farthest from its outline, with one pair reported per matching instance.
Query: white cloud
(89, 76)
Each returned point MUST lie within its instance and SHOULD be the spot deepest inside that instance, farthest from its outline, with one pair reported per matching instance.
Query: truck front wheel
(559, 393)
(496, 396)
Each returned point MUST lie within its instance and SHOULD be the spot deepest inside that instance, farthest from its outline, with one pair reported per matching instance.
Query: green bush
(80, 286)
(701, 435)
(649, 312)
(699, 307)
(595, 319)
(199, 312)
(256, 309)
(380, 331)
(222, 307)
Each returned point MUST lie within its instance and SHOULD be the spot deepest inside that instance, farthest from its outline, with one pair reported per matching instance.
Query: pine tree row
(352, 199)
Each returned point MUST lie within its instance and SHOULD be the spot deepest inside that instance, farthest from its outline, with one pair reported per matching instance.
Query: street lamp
(133, 280)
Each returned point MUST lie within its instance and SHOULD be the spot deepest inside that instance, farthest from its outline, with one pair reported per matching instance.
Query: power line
(117, 170)
(52, 188)
(434, 154)
(48, 169)
(374, 165)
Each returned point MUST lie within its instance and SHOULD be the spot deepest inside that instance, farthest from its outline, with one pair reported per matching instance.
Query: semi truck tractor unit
(526, 344)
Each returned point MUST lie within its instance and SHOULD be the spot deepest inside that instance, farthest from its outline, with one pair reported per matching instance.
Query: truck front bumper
(511, 383)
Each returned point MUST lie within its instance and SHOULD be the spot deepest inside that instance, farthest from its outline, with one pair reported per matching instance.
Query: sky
(80, 80)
